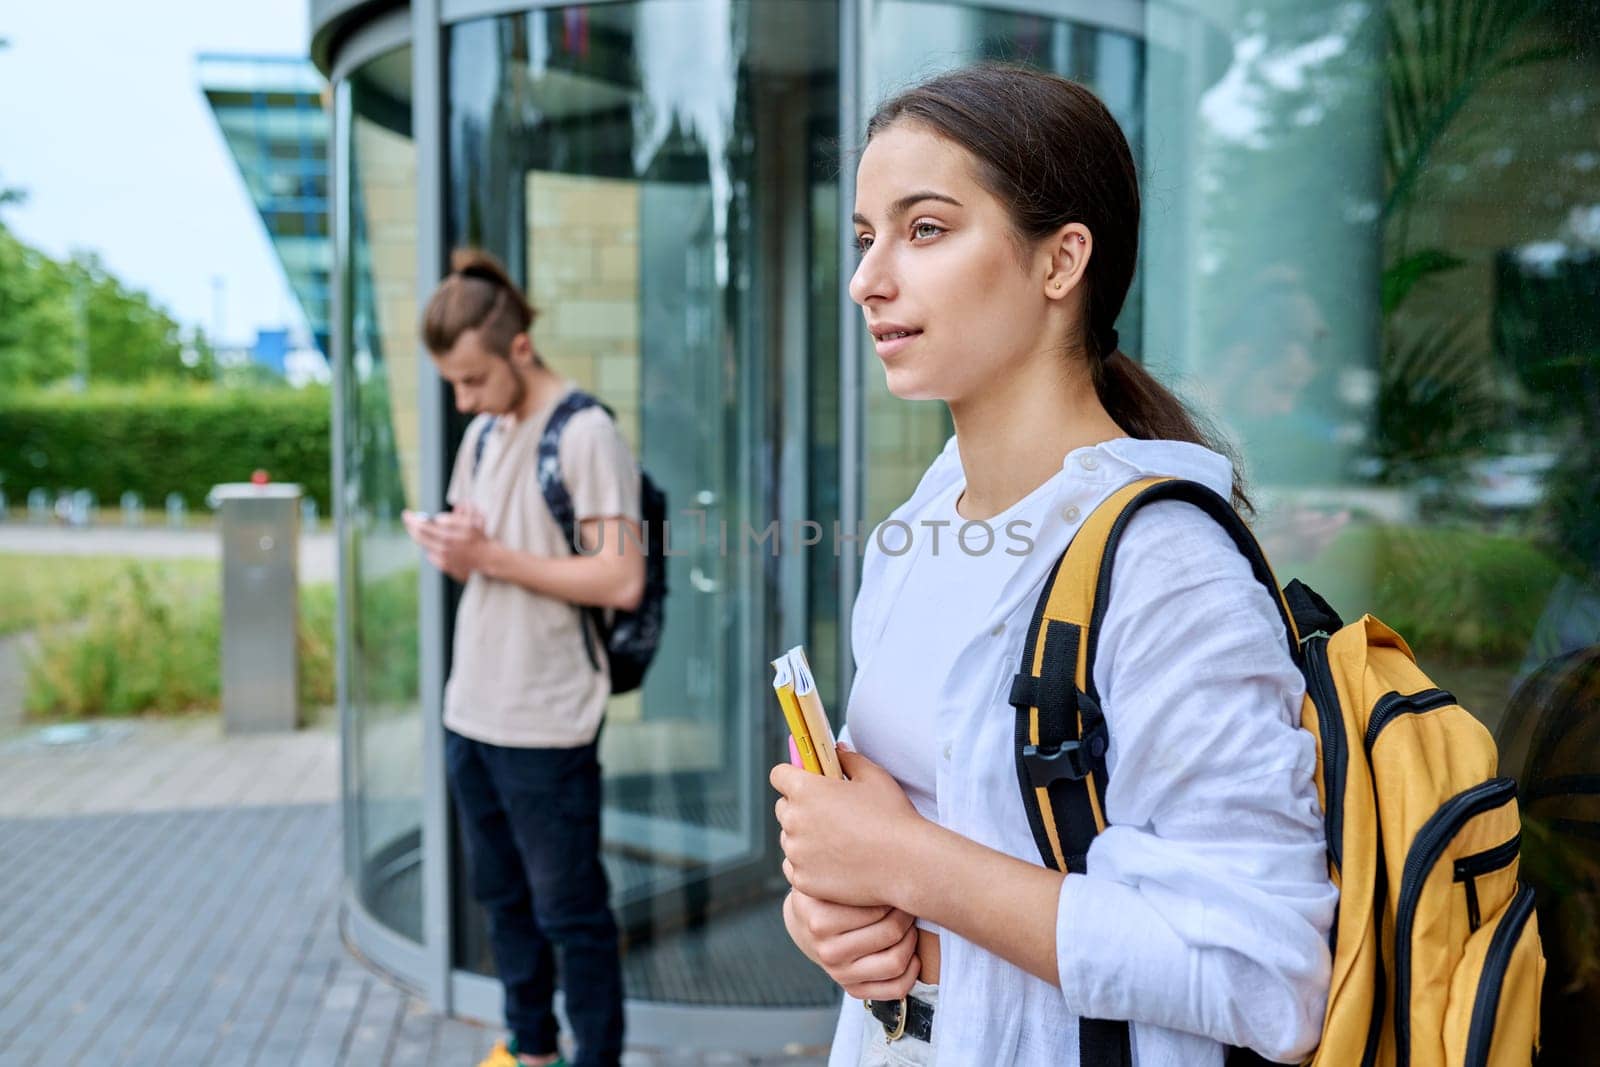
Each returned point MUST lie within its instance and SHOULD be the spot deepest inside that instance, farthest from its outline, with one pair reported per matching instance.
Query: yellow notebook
(783, 686)
(803, 711)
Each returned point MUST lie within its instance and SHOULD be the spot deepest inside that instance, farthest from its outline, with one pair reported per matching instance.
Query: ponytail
(479, 295)
(1148, 410)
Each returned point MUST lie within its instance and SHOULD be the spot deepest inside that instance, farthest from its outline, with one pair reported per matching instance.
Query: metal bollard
(39, 505)
(260, 528)
(177, 511)
(84, 506)
(308, 514)
(132, 509)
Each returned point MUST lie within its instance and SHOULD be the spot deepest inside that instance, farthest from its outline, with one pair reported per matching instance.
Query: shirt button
(1071, 514)
(947, 750)
(999, 629)
(1088, 463)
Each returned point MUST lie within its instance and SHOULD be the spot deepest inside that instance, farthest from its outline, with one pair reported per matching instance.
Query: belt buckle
(899, 1029)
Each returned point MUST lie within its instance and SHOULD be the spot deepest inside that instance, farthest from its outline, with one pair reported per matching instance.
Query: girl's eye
(925, 230)
(863, 242)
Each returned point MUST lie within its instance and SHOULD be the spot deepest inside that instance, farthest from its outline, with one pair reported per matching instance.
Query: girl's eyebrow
(906, 203)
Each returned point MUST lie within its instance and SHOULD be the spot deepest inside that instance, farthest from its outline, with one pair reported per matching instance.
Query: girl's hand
(841, 840)
(871, 952)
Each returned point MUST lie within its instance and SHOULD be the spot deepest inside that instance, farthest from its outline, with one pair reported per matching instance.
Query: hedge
(160, 440)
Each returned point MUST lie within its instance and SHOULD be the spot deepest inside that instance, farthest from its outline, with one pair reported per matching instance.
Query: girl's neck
(1013, 435)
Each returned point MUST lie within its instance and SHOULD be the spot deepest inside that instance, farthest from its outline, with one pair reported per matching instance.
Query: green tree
(126, 336)
(37, 333)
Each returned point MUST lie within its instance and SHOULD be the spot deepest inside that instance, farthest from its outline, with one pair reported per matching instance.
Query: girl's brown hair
(1053, 154)
(479, 295)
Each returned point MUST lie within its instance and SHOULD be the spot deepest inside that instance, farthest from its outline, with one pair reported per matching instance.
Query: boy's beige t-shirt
(520, 675)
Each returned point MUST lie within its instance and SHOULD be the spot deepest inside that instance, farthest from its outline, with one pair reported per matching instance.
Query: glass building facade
(270, 111)
(1369, 258)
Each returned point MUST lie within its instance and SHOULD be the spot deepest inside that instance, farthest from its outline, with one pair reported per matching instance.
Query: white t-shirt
(954, 566)
(1204, 914)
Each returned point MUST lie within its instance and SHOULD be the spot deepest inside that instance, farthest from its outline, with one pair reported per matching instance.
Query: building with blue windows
(271, 111)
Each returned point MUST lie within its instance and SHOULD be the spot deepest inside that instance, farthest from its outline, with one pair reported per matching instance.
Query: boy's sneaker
(504, 1054)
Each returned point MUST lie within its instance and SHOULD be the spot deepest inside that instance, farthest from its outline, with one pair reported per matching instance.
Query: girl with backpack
(997, 219)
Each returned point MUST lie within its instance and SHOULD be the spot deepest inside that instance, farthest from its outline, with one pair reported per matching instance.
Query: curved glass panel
(380, 477)
(659, 176)
(909, 41)
(1378, 259)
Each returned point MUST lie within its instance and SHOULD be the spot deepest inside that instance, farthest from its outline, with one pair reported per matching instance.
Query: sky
(103, 126)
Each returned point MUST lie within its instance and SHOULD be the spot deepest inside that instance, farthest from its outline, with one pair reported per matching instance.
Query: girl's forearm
(991, 899)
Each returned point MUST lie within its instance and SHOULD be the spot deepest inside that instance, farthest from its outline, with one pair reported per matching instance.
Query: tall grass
(150, 640)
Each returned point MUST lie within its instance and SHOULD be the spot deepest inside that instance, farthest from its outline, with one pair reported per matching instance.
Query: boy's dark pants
(530, 821)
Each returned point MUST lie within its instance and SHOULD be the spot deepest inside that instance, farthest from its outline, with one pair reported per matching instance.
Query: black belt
(906, 1017)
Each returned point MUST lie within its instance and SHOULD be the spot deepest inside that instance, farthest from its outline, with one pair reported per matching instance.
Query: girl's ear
(1068, 251)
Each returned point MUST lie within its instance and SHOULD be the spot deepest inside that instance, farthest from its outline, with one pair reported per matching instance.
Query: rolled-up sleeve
(1207, 904)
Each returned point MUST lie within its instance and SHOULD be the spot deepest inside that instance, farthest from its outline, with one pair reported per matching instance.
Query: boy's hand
(454, 541)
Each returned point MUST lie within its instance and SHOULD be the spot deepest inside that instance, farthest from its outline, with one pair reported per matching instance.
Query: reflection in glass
(380, 477)
(1384, 280)
(657, 175)
(910, 41)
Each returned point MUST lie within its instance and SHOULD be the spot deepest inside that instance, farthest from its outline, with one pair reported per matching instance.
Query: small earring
(1080, 238)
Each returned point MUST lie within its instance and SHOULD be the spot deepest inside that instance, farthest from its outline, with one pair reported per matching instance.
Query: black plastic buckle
(1071, 760)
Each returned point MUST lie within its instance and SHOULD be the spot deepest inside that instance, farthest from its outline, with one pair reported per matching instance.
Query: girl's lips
(888, 346)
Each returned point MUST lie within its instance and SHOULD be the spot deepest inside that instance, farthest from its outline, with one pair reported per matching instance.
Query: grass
(122, 637)
(43, 590)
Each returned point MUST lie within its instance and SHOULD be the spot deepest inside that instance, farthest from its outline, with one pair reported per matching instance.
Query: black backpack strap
(1061, 737)
(558, 498)
(477, 446)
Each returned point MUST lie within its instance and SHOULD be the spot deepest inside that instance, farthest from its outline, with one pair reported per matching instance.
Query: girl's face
(945, 297)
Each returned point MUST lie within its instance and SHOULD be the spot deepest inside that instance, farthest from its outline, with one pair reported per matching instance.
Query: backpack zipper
(1480, 1036)
(1330, 722)
(1470, 868)
(1335, 764)
(1391, 705)
(1430, 841)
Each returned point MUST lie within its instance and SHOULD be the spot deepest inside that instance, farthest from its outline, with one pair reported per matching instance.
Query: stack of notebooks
(809, 730)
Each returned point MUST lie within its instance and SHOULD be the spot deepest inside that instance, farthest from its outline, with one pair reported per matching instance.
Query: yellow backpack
(1436, 954)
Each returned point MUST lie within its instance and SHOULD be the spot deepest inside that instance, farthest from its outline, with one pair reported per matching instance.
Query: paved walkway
(171, 896)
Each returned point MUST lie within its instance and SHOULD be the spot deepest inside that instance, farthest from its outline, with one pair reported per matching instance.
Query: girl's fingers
(887, 964)
(826, 919)
(890, 989)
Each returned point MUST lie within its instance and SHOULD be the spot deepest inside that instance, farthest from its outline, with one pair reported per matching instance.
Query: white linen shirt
(1204, 914)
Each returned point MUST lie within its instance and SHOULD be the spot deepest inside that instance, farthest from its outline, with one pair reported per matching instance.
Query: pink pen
(794, 753)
